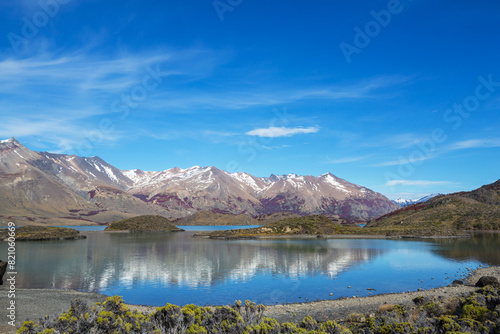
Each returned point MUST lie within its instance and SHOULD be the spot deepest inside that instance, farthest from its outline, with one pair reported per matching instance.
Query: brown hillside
(475, 210)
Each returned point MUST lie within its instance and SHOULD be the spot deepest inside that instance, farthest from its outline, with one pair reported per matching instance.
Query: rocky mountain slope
(57, 188)
(183, 191)
(60, 189)
(474, 210)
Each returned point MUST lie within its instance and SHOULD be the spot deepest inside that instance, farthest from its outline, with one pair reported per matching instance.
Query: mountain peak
(10, 143)
(11, 140)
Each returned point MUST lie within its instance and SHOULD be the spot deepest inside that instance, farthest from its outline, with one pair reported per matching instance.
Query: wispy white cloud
(346, 160)
(57, 97)
(398, 141)
(271, 95)
(416, 183)
(271, 148)
(273, 132)
(475, 143)
(412, 141)
(212, 133)
(67, 133)
(403, 161)
(80, 73)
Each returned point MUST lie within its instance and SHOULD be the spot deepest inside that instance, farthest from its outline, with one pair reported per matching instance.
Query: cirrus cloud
(273, 132)
(415, 183)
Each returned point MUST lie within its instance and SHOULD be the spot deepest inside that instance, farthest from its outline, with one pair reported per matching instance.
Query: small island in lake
(32, 233)
(144, 224)
(314, 225)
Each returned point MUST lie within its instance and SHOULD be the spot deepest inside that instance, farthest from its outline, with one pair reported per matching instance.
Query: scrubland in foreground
(477, 311)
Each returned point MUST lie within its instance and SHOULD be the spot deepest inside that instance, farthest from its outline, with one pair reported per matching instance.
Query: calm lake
(159, 268)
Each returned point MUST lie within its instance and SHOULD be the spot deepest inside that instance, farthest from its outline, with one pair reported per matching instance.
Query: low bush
(475, 313)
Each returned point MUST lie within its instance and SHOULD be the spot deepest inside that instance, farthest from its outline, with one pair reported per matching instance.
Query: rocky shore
(341, 308)
(36, 303)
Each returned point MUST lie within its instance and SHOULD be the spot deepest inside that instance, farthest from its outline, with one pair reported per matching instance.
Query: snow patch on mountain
(15, 151)
(196, 175)
(97, 167)
(139, 177)
(8, 141)
(329, 178)
(246, 179)
(295, 180)
(134, 174)
(110, 173)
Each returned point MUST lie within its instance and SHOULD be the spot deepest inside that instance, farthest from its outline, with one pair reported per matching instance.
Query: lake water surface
(156, 268)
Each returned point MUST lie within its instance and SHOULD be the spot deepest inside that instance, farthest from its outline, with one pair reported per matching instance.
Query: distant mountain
(59, 188)
(183, 191)
(474, 210)
(406, 202)
(426, 198)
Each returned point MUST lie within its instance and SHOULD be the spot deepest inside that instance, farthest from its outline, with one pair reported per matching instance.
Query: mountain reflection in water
(483, 247)
(178, 259)
(156, 268)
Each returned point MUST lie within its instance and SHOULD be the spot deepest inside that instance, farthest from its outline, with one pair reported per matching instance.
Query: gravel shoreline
(35, 303)
(341, 308)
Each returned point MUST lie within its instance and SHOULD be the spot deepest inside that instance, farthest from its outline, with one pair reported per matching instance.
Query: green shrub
(475, 313)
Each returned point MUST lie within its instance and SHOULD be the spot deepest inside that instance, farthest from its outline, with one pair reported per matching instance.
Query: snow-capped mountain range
(41, 185)
(406, 202)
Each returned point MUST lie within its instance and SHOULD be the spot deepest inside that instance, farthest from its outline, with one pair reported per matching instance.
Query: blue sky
(400, 96)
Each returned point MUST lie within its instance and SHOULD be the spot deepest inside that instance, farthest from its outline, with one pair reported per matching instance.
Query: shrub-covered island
(143, 224)
(211, 218)
(32, 232)
(315, 225)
